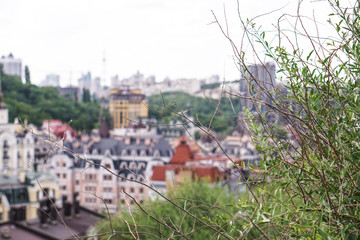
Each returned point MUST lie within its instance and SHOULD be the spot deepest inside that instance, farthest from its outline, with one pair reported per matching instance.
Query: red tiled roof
(182, 154)
(198, 172)
(159, 172)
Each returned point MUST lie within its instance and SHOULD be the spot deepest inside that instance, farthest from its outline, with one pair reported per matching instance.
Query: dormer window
(131, 177)
(132, 166)
(107, 152)
(141, 166)
(123, 153)
(157, 154)
(123, 165)
(133, 153)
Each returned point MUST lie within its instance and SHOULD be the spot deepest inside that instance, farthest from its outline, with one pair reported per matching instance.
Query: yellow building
(126, 107)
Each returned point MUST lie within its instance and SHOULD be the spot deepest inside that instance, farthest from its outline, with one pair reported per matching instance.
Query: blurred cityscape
(82, 172)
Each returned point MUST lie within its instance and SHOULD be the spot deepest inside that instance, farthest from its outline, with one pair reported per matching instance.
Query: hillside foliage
(165, 107)
(28, 101)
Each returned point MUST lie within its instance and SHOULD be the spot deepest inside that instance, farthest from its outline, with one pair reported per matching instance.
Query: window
(108, 201)
(141, 190)
(141, 166)
(107, 177)
(132, 166)
(64, 175)
(107, 165)
(132, 190)
(6, 156)
(64, 164)
(77, 182)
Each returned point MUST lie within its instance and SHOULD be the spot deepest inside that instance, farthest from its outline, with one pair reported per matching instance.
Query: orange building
(127, 106)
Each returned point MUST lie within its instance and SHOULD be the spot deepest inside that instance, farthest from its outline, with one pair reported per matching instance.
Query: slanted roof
(159, 172)
(182, 153)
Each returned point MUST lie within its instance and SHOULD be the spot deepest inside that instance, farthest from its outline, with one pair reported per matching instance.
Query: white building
(52, 80)
(16, 150)
(11, 65)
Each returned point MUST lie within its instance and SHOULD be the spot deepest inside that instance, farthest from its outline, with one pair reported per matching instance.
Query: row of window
(110, 201)
(90, 188)
(61, 175)
(132, 190)
(90, 200)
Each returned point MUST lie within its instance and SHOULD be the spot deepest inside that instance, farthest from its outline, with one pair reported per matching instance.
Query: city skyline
(176, 39)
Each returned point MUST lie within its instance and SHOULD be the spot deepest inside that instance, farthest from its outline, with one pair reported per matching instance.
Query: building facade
(22, 188)
(254, 79)
(126, 107)
(11, 65)
(100, 170)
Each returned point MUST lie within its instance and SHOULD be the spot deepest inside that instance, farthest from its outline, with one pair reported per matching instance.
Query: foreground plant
(313, 189)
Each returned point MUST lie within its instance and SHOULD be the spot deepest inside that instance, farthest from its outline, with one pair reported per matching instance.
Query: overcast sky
(165, 38)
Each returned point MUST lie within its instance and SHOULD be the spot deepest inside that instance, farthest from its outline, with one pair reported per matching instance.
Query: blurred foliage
(168, 106)
(28, 101)
(210, 86)
(212, 204)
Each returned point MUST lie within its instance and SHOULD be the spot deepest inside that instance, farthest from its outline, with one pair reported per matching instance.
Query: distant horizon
(176, 39)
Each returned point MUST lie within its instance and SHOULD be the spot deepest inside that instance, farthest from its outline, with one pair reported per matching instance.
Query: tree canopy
(28, 101)
(211, 203)
(166, 106)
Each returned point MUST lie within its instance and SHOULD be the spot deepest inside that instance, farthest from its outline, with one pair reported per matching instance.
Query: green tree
(160, 218)
(27, 101)
(313, 192)
(27, 75)
(310, 187)
(165, 107)
(86, 96)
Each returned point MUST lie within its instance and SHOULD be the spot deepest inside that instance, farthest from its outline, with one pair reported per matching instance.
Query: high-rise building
(52, 80)
(11, 65)
(254, 79)
(85, 81)
(126, 107)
